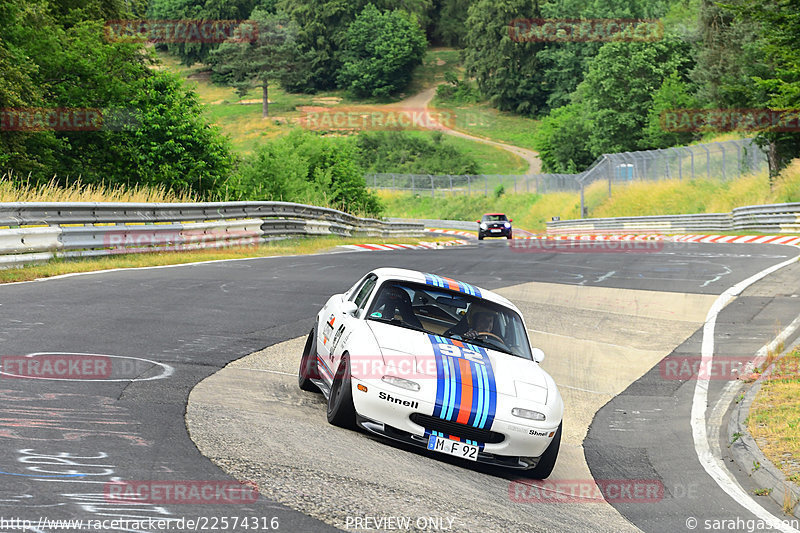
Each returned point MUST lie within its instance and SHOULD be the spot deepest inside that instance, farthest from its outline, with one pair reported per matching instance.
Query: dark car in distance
(494, 225)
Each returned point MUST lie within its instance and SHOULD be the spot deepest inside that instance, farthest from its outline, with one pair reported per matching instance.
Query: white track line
(711, 463)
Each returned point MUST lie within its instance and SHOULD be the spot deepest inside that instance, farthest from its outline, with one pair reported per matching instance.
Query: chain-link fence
(718, 160)
(473, 183)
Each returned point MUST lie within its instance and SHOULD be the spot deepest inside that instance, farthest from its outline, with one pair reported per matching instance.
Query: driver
(483, 324)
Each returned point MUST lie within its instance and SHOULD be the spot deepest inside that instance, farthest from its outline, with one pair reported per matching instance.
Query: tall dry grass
(15, 189)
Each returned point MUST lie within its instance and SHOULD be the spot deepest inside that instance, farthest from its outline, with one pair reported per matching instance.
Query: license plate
(452, 447)
(495, 231)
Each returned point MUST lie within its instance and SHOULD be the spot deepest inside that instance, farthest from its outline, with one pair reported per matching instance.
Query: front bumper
(490, 232)
(520, 448)
(384, 430)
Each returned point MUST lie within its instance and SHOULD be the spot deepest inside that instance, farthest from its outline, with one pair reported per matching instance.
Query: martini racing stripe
(453, 285)
(465, 386)
(323, 367)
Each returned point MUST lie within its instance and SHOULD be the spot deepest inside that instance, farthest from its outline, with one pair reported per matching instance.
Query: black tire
(341, 411)
(308, 364)
(548, 459)
(480, 237)
(508, 236)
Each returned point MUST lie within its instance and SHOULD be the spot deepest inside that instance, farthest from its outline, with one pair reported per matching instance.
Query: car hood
(510, 375)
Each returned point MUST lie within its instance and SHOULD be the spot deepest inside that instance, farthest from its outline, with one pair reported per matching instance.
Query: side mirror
(478, 221)
(349, 308)
(538, 354)
(511, 220)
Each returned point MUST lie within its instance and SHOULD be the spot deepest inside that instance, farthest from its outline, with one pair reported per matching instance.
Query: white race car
(437, 363)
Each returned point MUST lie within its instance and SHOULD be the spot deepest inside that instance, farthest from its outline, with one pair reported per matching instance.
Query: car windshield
(494, 218)
(450, 314)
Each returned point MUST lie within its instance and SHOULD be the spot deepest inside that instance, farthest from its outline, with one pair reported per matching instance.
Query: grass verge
(774, 419)
(13, 189)
(668, 197)
(485, 121)
(297, 246)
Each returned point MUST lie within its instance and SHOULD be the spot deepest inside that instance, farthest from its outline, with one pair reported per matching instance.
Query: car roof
(435, 280)
(494, 214)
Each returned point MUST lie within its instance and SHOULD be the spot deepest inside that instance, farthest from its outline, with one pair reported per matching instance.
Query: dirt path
(421, 100)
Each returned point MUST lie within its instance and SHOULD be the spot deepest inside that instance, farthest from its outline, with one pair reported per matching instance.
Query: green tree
(728, 57)
(449, 21)
(405, 152)
(380, 52)
(674, 93)
(153, 129)
(619, 86)
(508, 71)
(562, 140)
(191, 51)
(304, 167)
(779, 27)
(247, 64)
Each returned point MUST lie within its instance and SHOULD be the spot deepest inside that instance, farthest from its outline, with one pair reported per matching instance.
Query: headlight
(402, 383)
(507, 225)
(483, 225)
(527, 413)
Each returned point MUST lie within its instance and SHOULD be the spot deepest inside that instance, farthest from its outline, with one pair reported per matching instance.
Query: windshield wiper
(400, 323)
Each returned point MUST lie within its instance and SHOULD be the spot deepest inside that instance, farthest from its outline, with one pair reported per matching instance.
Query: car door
(340, 323)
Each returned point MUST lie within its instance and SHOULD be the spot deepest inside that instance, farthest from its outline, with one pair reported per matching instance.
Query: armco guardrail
(36, 232)
(773, 218)
(463, 225)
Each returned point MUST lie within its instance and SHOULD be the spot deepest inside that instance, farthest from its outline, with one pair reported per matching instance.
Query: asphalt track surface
(164, 330)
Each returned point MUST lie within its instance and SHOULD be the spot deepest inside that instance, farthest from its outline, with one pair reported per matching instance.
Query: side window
(363, 293)
(355, 290)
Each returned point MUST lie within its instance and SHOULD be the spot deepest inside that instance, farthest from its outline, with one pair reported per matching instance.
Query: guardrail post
(433, 189)
(451, 184)
(469, 185)
(413, 189)
(721, 147)
(583, 206)
(739, 158)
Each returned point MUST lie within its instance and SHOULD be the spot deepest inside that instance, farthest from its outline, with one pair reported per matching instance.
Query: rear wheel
(341, 411)
(548, 459)
(308, 364)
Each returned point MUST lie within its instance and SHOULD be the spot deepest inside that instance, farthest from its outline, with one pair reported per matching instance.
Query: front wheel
(308, 364)
(548, 459)
(509, 236)
(341, 411)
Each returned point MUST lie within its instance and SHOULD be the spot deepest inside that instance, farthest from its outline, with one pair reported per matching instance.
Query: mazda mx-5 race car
(437, 363)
